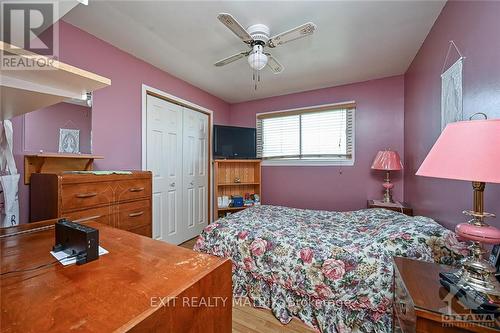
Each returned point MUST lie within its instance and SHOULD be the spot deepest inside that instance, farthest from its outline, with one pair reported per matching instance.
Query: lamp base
(479, 274)
(388, 189)
(388, 196)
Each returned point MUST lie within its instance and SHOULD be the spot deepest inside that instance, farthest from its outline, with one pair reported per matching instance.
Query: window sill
(290, 162)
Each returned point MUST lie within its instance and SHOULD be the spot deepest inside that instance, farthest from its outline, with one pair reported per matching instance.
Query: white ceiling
(354, 41)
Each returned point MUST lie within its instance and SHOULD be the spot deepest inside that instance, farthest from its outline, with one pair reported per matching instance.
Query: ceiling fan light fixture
(257, 59)
(257, 37)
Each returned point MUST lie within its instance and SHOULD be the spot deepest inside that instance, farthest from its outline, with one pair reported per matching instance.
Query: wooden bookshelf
(226, 172)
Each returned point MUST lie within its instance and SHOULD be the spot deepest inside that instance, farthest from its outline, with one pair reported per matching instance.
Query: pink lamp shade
(466, 150)
(387, 160)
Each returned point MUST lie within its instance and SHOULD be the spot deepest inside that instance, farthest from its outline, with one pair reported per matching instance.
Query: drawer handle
(136, 189)
(136, 214)
(86, 195)
(88, 218)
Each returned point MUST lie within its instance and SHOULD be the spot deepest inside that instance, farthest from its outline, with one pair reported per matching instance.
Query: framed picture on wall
(69, 141)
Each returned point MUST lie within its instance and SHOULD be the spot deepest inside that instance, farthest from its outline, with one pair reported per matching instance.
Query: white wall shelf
(23, 91)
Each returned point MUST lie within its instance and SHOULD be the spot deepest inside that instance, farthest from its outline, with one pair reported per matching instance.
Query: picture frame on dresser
(69, 141)
(495, 259)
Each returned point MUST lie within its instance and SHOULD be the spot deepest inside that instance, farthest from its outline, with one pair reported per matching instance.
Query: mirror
(65, 128)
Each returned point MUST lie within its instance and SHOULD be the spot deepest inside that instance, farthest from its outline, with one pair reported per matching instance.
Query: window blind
(319, 133)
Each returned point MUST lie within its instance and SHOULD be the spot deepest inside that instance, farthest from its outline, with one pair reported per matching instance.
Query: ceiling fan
(257, 37)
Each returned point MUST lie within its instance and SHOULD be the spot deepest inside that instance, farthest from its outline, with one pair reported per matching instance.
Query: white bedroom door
(177, 154)
(163, 151)
(195, 171)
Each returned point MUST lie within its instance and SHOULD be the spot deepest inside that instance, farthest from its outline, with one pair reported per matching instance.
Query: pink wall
(116, 116)
(116, 113)
(379, 125)
(474, 26)
(41, 127)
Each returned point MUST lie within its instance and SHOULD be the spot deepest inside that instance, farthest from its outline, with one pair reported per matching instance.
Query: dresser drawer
(78, 196)
(102, 215)
(133, 189)
(133, 214)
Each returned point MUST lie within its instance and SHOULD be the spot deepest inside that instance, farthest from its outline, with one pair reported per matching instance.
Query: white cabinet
(177, 154)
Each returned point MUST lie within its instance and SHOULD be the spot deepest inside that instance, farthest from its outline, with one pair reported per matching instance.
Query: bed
(332, 270)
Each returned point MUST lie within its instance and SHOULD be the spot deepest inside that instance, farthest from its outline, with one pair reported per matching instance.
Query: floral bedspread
(332, 270)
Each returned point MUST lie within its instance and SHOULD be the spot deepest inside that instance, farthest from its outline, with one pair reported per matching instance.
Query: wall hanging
(451, 89)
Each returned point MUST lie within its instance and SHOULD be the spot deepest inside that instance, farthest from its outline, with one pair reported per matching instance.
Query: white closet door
(164, 156)
(195, 172)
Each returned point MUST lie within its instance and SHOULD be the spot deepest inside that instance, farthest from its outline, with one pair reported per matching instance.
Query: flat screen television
(234, 142)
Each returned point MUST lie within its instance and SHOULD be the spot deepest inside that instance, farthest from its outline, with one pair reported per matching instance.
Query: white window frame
(315, 162)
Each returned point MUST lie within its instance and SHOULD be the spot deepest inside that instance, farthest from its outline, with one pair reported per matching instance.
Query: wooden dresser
(422, 305)
(120, 201)
(141, 285)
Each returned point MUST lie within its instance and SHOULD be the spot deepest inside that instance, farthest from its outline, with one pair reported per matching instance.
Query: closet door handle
(136, 189)
(86, 195)
(136, 214)
(191, 183)
(172, 184)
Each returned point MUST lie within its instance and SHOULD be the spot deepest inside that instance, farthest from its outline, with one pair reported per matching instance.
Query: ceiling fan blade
(229, 21)
(303, 30)
(230, 59)
(274, 64)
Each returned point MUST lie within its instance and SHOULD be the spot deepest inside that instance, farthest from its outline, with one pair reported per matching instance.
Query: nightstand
(397, 206)
(422, 305)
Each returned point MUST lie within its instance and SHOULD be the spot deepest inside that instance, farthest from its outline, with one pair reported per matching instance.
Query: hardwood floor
(247, 319)
(189, 244)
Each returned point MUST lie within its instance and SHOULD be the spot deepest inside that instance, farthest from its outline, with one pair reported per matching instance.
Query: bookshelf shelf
(232, 208)
(238, 184)
(248, 173)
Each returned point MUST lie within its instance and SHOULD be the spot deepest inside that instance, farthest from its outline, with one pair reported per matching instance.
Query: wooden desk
(422, 305)
(142, 285)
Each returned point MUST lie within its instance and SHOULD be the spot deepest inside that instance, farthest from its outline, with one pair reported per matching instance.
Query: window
(313, 136)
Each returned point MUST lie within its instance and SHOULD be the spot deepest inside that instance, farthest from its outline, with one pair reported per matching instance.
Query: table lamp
(388, 161)
(470, 151)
